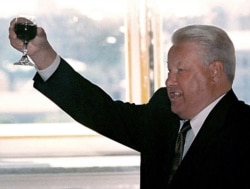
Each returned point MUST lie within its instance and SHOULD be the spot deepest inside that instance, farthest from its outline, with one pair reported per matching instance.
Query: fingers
(35, 46)
(12, 22)
(39, 49)
(40, 32)
(14, 41)
(12, 33)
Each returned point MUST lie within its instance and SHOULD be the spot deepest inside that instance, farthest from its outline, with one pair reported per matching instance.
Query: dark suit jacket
(217, 159)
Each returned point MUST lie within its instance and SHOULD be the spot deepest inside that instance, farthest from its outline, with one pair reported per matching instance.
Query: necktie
(179, 147)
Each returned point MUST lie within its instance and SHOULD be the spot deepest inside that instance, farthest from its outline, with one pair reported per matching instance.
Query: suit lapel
(207, 136)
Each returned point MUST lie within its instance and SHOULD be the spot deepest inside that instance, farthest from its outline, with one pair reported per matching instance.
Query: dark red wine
(25, 31)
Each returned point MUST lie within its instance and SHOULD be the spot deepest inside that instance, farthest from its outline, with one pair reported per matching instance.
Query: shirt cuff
(46, 73)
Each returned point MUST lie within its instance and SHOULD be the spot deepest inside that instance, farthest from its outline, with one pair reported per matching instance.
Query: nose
(171, 80)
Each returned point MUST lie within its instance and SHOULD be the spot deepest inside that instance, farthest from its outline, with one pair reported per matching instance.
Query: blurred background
(120, 45)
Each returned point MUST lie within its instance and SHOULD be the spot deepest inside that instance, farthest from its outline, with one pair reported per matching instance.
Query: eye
(180, 70)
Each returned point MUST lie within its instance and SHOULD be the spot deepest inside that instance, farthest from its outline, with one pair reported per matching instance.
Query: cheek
(195, 87)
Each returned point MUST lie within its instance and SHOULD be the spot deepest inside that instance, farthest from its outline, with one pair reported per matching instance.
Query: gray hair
(215, 45)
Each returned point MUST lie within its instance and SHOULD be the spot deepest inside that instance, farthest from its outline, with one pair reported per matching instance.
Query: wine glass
(26, 30)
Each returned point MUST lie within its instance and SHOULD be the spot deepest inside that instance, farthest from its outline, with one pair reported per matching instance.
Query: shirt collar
(197, 121)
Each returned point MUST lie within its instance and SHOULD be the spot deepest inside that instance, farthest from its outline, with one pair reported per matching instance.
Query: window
(37, 139)
(89, 35)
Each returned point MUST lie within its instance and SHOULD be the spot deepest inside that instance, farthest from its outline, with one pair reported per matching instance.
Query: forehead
(184, 53)
(183, 50)
(184, 47)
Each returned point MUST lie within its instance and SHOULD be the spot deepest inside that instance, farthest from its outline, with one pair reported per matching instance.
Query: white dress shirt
(196, 123)
(46, 73)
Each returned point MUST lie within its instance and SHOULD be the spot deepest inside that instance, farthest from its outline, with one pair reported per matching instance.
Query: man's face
(188, 82)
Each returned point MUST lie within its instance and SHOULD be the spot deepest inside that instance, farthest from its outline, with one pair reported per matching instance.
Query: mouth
(174, 95)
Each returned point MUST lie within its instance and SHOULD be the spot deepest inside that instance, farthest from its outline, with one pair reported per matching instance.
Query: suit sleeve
(89, 105)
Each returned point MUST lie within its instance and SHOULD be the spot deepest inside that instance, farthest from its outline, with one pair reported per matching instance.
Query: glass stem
(25, 48)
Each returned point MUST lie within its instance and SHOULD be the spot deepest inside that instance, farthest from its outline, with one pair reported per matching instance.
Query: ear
(216, 70)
